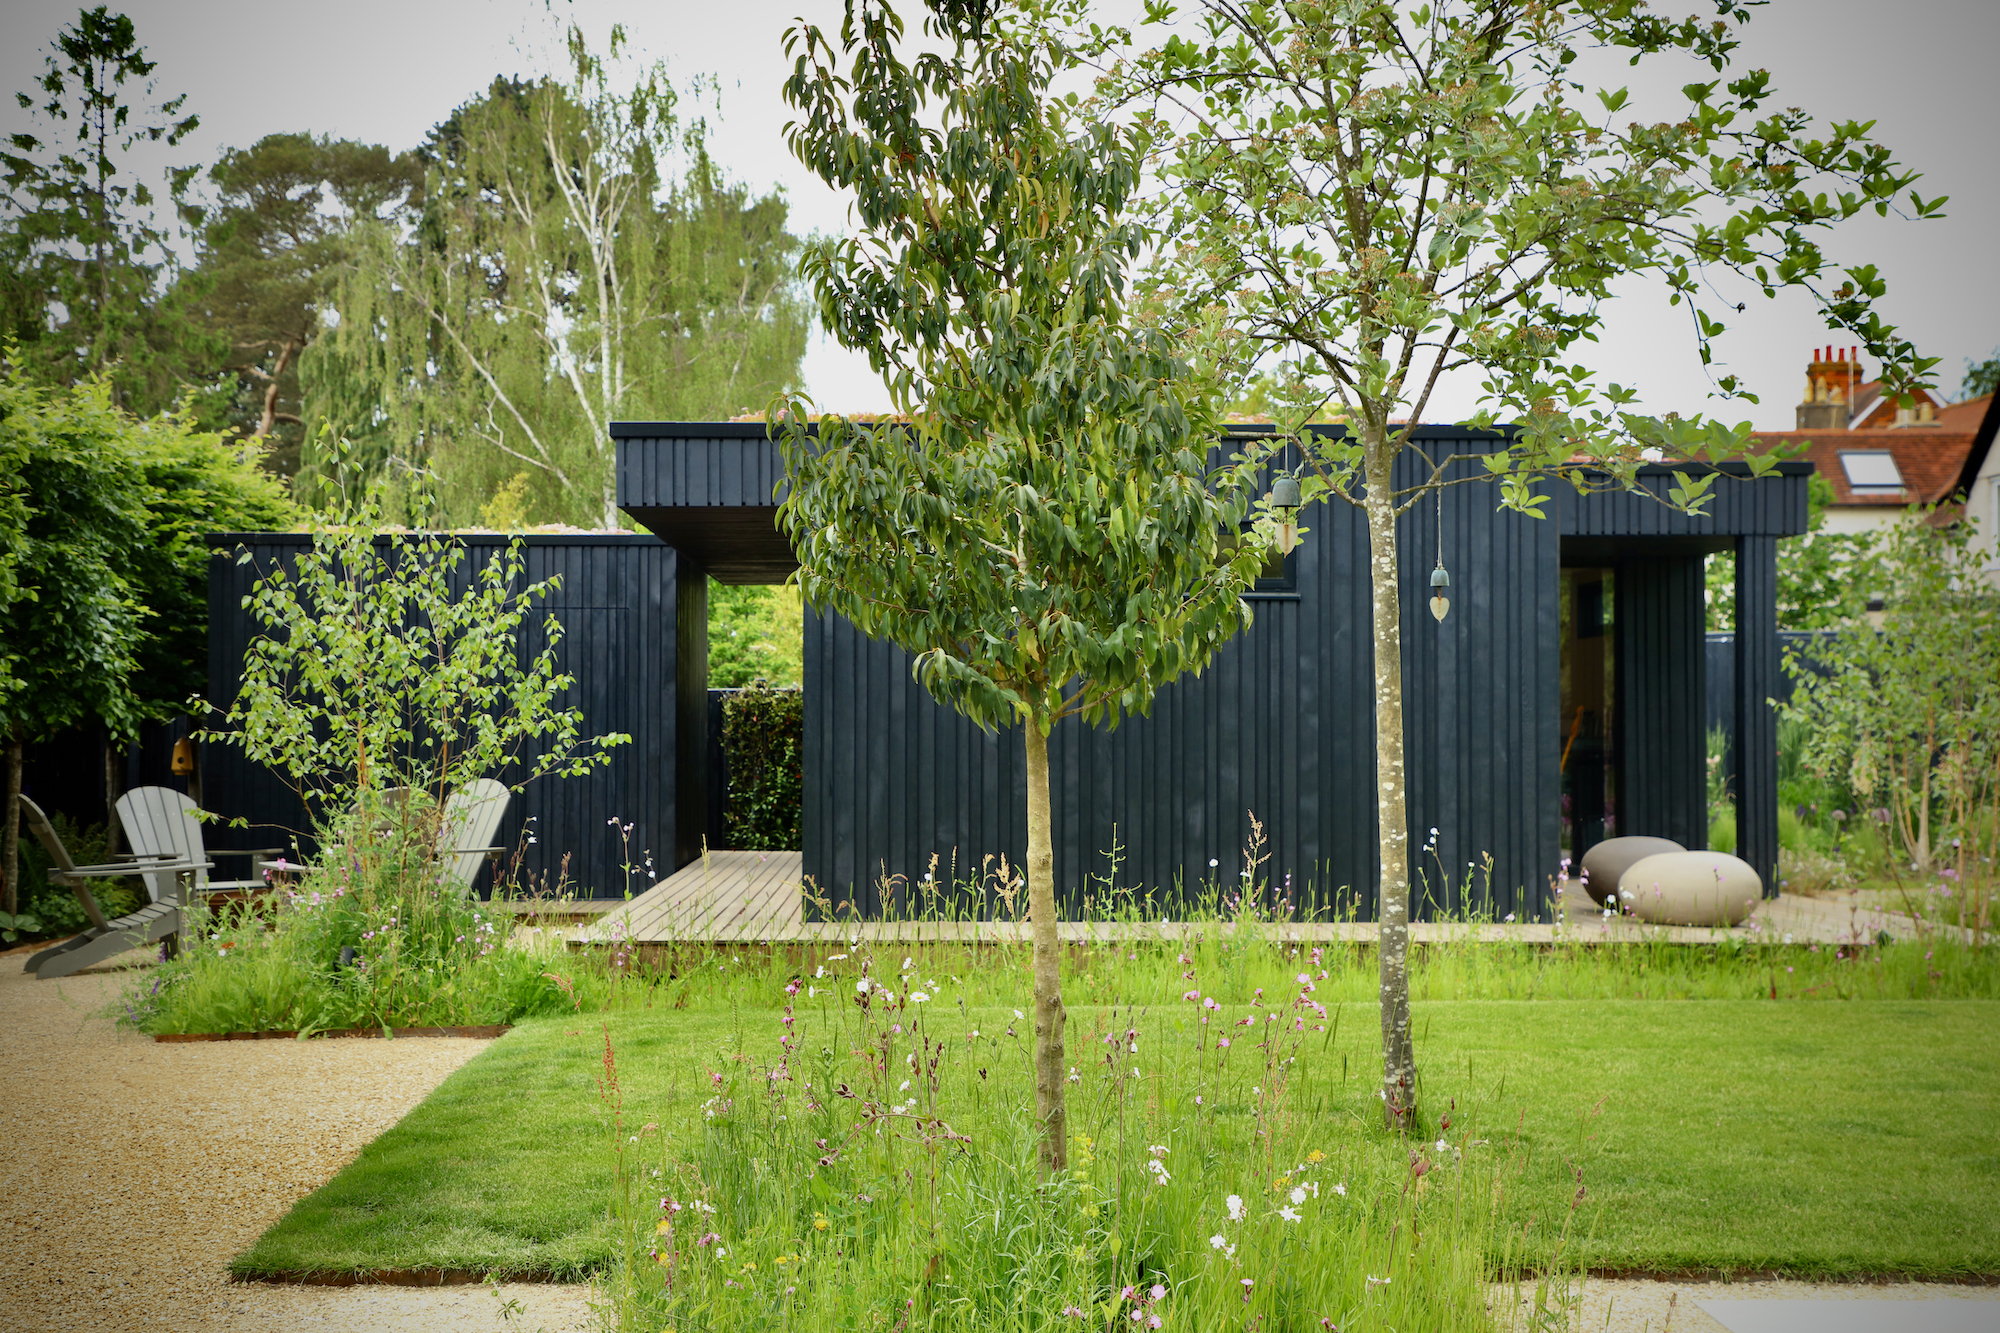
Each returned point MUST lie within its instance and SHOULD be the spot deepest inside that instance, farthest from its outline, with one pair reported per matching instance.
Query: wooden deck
(755, 898)
(723, 898)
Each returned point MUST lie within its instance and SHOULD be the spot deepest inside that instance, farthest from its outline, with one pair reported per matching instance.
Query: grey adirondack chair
(160, 822)
(156, 921)
(472, 816)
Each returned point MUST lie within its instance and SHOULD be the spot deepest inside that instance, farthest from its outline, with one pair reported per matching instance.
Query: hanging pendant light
(1440, 580)
(1285, 499)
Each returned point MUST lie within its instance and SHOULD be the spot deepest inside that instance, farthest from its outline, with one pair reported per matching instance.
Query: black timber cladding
(1281, 723)
(1662, 651)
(618, 609)
(709, 489)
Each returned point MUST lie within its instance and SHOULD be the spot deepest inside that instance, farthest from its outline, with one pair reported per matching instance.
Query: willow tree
(562, 275)
(1379, 196)
(1044, 534)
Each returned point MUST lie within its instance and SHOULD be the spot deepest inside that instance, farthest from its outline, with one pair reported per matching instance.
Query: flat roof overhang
(710, 490)
(739, 544)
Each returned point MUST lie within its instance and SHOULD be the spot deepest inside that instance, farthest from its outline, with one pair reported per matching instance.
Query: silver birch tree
(559, 278)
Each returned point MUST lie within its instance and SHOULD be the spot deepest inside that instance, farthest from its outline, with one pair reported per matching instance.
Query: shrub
(763, 744)
(55, 906)
(1805, 870)
(375, 937)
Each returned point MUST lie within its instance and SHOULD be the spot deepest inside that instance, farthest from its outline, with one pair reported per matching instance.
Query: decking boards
(755, 898)
(724, 897)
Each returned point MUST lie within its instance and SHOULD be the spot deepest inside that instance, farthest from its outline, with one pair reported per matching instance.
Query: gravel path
(1628, 1305)
(138, 1170)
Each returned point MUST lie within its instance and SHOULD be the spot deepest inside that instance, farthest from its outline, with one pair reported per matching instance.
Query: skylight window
(1873, 472)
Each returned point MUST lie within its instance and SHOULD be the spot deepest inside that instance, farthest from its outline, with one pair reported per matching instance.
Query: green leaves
(80, 253)
(1042, 534)
(1382, 199)
(561, 276)
(386, 662)
(73, 527)
(1906, 715)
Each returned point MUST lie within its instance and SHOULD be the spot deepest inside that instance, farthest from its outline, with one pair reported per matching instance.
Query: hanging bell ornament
(1285, 499)
(1440, 602)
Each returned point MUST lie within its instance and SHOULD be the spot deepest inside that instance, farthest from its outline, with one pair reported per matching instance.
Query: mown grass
(1814, 1138)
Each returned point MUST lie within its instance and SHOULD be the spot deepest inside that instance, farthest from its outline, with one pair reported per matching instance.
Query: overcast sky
(384, 71)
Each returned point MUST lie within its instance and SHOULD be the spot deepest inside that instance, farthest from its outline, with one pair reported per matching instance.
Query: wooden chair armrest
(125, 868)
(244, 851)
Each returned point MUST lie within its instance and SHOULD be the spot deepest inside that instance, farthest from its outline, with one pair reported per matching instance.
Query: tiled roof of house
(1928, 456)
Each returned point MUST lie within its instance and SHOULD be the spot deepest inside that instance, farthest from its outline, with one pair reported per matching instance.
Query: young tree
(1908, 716)
(382, 665)
(83, 253)
(1044, 534)
(1378, 196)
(559, 279)
(78, 500)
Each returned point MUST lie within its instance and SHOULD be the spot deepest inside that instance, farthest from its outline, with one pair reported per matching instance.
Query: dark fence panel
(1662, 705)
(618, 608)
(65, 774)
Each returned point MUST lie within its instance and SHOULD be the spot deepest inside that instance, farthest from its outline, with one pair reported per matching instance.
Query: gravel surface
(138, 1170)
(1632, 1305)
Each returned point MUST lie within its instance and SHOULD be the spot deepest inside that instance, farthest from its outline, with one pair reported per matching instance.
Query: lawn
(1812, 1137)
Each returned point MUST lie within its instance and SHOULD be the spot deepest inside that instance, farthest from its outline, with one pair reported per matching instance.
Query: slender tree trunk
(1399, 1065)
(1049, 1107)
(113, 789)
(10, 838)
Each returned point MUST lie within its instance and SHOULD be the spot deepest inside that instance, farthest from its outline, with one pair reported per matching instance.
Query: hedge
(763, 747)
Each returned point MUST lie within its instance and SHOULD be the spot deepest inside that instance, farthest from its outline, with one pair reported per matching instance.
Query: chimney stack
(1831, 384)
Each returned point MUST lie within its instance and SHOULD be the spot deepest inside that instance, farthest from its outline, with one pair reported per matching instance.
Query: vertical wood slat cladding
(1757, 680)
(691, 799)
(1661, 665)
(1480, 696)
(697, 464)
(617, 607)
(1281, 724)
(1771, 506)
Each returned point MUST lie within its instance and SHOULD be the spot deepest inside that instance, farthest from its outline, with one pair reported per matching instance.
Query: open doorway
(756, 716)
(1591, 762)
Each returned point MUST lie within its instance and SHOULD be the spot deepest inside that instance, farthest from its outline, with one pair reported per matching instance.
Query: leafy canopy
(73, 522)
(1908, 715)
(82, 254)
(579, 259)
(273, 242)
(1380, 196)
(1045, 532)
(386, 660)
